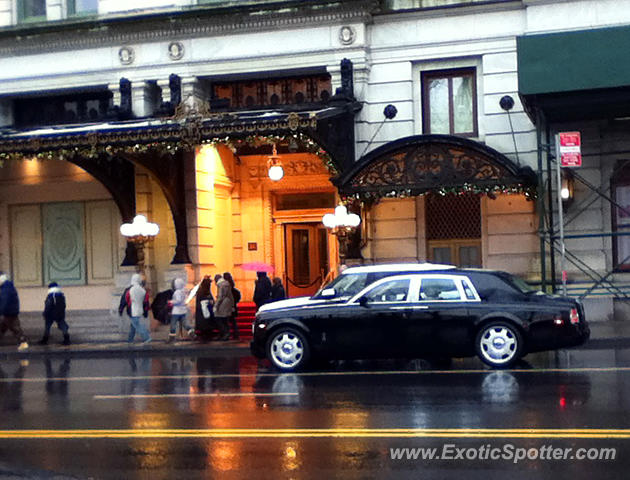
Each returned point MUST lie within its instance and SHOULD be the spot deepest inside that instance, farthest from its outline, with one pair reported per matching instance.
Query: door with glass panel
(306, 257)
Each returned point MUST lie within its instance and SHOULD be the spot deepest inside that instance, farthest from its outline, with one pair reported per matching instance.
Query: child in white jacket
(179, 311)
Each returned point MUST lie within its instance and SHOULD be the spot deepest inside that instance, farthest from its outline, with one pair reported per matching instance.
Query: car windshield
(345, 285)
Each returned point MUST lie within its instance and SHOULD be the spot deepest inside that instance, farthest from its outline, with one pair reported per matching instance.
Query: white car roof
(397, 267)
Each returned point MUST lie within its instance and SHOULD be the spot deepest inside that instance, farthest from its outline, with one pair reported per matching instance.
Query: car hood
(299, 302)
(290, 302)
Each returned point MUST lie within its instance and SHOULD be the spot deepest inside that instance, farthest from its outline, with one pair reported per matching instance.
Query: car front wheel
(499, 344)
(287, 349)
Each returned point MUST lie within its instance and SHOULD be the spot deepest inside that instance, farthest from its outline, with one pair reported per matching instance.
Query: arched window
(620, 186)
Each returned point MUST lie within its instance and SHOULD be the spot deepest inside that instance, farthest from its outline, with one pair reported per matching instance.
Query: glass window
(300, 201)
(31, 10)
(77, 7)
(392, 291)
(449, 102)
(468, 291)
(301, 257)
(432, 289)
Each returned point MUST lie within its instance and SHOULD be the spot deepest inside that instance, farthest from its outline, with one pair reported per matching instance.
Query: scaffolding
(551, 227)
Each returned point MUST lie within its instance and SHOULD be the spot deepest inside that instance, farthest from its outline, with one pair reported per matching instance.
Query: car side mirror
(363, 301)
(327, 293)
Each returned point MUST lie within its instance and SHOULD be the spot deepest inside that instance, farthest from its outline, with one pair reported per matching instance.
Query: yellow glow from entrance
(31, 171)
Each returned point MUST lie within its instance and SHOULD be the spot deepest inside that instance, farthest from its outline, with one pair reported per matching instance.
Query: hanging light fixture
(274, 166)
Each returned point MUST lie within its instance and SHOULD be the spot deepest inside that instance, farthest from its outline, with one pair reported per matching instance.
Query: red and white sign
(570, 149)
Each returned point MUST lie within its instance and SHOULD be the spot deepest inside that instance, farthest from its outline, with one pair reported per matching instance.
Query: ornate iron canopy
(423, 163)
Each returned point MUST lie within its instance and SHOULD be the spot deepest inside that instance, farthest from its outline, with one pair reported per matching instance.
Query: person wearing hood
(180, 309)
(137, 299)
(10, 309)
(55, 312)
(223, 307)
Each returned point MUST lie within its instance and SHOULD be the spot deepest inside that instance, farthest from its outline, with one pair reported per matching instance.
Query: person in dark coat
(277, 290)
(262, 289)
(55, 312)
(204, 316)
(10, 309)
(160, 308)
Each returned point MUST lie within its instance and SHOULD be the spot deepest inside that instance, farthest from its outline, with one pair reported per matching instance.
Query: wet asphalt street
(233, 417)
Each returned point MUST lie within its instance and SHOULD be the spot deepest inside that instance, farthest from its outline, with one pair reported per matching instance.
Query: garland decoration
(93, 152)
(255, 141)
(371, 197)
(171, 148)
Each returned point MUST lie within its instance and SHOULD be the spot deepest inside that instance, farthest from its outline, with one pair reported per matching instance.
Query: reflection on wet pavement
(566, 389)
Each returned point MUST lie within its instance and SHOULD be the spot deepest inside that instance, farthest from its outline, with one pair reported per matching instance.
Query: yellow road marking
(193, 395)
(316, 374)
(323, 433)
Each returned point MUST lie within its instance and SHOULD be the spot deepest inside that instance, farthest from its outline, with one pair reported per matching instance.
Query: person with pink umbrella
(262, 290)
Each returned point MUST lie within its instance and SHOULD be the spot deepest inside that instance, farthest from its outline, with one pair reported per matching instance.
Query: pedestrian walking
(55, 312)
(179, 311)
(262, 289)
(224, 307)
(204, 303)
(277, 290)
(236, 296)
(137, 299)
(10, 309)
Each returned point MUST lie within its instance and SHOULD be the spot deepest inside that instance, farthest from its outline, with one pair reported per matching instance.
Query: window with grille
(453, 229)
(449, 103)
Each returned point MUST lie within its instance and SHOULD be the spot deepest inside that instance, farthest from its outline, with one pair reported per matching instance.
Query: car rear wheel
(499, 344)
(288, 349)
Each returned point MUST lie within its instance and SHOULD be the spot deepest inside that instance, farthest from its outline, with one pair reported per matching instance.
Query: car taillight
(574, 317)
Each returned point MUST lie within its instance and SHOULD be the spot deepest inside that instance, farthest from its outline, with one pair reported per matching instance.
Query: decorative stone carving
(126, 55)
(347, 35)
(176, 50)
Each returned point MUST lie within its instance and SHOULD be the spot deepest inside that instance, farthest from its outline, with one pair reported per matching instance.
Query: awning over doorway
(324, 125)
(575, 75)
(440, 163)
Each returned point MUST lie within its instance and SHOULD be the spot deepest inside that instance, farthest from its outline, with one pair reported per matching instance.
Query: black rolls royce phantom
(416, 310)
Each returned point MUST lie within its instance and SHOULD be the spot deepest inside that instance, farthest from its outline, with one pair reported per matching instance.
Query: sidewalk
(97, 334)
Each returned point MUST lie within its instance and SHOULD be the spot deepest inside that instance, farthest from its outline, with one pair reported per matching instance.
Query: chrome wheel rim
(287, 350)
(498, 344)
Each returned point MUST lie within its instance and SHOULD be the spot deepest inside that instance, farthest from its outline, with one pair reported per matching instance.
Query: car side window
(435, 289)
(468, 291)
(392, 291)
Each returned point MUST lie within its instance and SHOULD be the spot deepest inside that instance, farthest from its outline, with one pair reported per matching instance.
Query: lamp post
(139, 232)
(275, 171)
(341, 224)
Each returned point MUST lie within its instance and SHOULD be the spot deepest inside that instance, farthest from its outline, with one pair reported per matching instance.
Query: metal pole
(552, 251)
(561, 219)
(540, 203)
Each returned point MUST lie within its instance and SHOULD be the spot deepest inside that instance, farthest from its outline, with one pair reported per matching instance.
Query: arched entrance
(444, 199)
(251, 219)
(442, 163)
